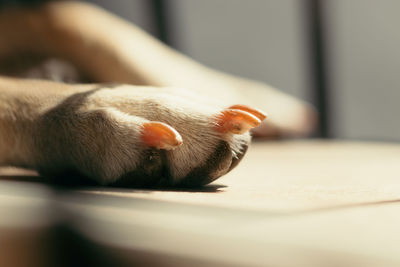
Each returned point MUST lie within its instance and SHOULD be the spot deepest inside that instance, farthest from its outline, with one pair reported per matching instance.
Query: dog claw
(236, 121)
(256, 112)
(160, 135)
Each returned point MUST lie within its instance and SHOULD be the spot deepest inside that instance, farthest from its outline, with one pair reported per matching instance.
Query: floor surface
(295, 203)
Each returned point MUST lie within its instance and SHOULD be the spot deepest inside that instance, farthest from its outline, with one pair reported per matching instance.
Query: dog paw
(143, 136)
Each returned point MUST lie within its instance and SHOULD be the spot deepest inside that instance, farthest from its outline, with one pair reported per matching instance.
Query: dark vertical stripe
(318, 64)
(160, 17)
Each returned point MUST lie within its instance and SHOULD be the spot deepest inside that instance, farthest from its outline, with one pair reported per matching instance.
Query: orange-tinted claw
(236, 121)
(256, 112)
(160, 135)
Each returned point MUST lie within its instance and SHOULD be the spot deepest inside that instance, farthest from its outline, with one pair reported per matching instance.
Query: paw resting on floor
(143, 136)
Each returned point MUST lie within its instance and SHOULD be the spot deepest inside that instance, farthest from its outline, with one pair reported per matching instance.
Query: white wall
(258, 39)
(365, 41)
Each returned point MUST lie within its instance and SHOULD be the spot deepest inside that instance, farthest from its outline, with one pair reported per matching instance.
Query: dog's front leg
(18, 111)
(22, 103)
(124, 135)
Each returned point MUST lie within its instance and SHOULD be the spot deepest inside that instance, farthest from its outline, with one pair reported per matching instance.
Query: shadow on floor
(88, 187)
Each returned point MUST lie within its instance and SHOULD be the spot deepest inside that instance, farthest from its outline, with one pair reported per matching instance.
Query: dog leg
(121, 134)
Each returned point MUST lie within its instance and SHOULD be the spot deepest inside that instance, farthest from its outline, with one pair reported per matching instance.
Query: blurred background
(341, 55)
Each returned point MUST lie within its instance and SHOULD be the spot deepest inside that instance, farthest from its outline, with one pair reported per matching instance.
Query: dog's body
(97, 129)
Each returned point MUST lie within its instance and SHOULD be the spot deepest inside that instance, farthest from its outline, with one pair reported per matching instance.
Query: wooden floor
(298, 203)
